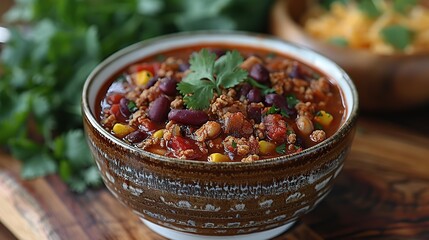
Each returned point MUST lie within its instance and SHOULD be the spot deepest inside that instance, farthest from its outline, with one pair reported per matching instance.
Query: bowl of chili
(214, 134)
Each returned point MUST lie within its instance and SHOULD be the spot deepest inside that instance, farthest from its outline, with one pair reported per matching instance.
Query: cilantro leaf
(370, 8)
(197, 96)
(208, 75)
(201, 66)
(292, 101)
(281, 149)
(272, 110)
(228, 70)
(397, 35)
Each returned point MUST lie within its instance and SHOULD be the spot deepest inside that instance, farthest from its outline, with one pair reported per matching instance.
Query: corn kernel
(121, 130)
(159, 133)
(218, 157)
(266, 147)
(323, 118)
(143, 77)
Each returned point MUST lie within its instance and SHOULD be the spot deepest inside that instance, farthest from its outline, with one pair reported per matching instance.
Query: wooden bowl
(384, 82)
(186, 199)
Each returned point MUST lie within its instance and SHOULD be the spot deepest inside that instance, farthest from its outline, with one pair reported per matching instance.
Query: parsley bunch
(54, 46)
(208, 75)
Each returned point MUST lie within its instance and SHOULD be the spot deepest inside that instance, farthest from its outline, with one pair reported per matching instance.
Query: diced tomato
(114, 98)
(151, 67)
(179, 144)
(276, 128)
(147, 125)
(116, 111)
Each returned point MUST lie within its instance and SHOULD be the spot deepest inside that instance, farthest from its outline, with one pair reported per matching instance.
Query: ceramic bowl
(185, 199)
(384, 82)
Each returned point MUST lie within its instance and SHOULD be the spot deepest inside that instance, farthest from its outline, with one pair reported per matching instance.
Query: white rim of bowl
(245, 39)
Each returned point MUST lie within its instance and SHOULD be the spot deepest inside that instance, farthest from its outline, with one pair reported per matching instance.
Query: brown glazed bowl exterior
(217, 198)
(384, 82)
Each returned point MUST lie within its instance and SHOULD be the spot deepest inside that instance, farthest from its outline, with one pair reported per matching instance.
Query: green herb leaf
(234, 144)
(370, 8)
(272, 110)
(397, 35)
(284, 113)
(281, 149)
(132, 106)
(339, 41)
(403, 6)
(197, 96)
(264, 88)
(228, 71)
(208, 75)
(275, 110)
(292, 101)
(318, 126)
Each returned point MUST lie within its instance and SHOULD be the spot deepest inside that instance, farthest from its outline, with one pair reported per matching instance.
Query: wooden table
(382, 193)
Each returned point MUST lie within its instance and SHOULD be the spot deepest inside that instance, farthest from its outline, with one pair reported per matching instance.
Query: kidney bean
(151, 82)
(183, 67)
(219, 52)
(259, 73)
(295, 71)
(276, 100)
(168, 86)
(255, 113)
(254, 95)
(291, 112)
(280, 102)
(245, 88)
(188, 117)
(136, 136)
(123, 107)
(158, 109)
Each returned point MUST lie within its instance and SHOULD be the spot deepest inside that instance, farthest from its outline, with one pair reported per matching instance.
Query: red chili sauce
(244, 107)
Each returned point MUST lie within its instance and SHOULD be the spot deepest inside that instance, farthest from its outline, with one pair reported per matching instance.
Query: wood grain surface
(382, 193)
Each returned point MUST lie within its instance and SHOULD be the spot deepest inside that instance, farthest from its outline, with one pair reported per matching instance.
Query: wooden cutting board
(382, 193)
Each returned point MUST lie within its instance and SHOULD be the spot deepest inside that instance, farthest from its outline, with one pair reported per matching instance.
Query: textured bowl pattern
(217, 198)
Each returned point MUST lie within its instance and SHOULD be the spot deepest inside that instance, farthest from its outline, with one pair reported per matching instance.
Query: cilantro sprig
(208, 75)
